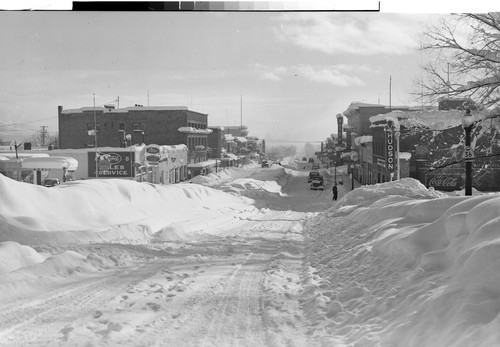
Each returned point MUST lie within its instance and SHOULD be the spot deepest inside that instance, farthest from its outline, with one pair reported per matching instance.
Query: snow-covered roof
(404, 155)
(241, 139)
(432, 119)
(191, 130)
(56, 162)
(124, 109)
(363, 139)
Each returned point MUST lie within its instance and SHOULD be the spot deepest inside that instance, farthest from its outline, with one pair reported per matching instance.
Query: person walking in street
(334, 191)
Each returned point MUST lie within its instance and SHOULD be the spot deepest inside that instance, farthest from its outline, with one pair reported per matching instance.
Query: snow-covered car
(317, 183)
(312, 175)
(315, 166)
(265, 163)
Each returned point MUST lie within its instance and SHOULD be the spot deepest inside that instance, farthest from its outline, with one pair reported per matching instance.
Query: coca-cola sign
(445, 182)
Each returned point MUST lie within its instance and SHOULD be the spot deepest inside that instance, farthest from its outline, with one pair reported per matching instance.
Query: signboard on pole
(153, 155)
(468, 154)
(389, 151)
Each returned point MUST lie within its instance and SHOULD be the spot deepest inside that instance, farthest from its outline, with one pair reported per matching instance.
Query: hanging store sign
(340, 120)
(152, 154)
(390, 151)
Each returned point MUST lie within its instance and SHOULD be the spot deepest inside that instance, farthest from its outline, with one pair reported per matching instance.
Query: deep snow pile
(406, 187)
(289, 163)
(392, 264)
(406, 269)
(110, 210)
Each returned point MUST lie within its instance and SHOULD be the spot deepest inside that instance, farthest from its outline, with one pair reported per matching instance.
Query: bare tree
(464, 52)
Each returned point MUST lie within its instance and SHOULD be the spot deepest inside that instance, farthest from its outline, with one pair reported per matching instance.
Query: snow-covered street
(249, 256)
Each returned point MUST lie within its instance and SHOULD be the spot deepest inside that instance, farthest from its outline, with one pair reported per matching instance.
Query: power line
(461, 161)
(32, 121)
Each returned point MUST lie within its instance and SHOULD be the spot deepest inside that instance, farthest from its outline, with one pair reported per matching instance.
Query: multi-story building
(160, 125)
(358, 115)
(216, 142)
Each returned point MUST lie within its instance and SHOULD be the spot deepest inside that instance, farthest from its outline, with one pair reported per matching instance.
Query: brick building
(216, 142)
(161, 125)
(358, 115)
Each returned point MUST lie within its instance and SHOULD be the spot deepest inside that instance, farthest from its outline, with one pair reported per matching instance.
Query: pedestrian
(334, 190)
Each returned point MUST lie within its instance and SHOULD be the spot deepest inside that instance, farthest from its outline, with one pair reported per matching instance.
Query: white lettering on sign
(443, 181)
(390, 151)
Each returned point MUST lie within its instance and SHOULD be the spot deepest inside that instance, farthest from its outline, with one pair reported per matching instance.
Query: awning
(56, 162)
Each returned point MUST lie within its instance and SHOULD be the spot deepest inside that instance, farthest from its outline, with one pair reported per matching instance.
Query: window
(136, 126)
(121, 126)
(90, 126)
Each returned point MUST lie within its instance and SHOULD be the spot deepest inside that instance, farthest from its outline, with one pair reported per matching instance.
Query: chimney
(59, 110)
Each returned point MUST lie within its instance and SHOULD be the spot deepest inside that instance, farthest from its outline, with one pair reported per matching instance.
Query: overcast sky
(293, 71)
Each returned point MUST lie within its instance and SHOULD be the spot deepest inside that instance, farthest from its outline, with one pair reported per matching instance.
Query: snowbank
(108, 210)
(407, 187)
(406, 267)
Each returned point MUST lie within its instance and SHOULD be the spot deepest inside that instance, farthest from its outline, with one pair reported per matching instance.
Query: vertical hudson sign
(389, 159)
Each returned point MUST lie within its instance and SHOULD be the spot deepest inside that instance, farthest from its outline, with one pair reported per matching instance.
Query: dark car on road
(265, 163)
(312, 175)
(317, 183)
(51, 182)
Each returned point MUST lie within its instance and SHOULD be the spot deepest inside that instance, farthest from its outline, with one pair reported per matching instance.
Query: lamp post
(468, 123)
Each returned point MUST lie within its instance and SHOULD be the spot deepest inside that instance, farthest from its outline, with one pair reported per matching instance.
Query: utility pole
(390, 92)
(43, 132)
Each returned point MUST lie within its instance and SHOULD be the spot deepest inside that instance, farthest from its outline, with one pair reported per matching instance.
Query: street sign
(468, 154)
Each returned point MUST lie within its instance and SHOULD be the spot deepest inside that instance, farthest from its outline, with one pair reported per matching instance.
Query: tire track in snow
(42, 320)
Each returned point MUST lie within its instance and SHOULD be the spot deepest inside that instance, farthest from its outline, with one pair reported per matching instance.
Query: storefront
(35, 169)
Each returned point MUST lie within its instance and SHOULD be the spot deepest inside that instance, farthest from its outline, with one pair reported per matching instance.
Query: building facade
(161, 125)
(358, 115)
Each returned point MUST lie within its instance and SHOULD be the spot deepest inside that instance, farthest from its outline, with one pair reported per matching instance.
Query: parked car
(312, 175)
(311, 160)
(265, 163)
(317, 183)
(315, 166)
(51, 182)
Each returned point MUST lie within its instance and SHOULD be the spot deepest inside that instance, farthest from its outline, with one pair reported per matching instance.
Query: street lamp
(467, 124)
(128, 138)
